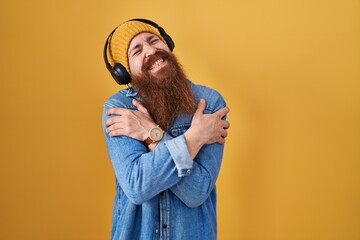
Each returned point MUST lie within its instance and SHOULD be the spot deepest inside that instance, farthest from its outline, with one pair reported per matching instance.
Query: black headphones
(118, 71)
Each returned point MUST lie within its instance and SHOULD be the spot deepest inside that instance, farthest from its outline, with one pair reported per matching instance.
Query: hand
(210, 127)
(131, 123)
(206, 128)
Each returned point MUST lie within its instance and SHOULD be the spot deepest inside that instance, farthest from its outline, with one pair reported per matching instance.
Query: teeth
(157, 63)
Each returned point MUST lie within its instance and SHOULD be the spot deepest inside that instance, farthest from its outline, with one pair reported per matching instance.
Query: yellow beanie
(121, 38)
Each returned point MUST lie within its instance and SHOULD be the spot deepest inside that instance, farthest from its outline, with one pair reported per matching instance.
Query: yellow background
(289, 70)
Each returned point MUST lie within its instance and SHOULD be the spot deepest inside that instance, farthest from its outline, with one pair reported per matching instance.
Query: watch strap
(149, 141)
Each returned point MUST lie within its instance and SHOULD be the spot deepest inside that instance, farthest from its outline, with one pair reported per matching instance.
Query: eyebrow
(139, 45)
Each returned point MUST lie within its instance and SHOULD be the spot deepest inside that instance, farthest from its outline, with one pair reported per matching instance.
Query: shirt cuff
(180, 155)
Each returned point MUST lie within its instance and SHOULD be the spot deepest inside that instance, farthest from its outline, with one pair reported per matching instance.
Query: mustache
(159, 54)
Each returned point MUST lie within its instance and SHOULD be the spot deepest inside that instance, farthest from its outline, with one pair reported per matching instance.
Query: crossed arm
(143, 174)
(205, 128)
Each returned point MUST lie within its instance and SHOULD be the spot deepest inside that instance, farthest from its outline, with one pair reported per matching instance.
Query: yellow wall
(289, 70)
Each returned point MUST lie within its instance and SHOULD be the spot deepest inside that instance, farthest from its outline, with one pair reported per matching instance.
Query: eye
(154, 40)
(136, 52)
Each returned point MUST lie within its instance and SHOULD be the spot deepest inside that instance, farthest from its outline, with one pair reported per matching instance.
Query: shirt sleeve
(180, 155)
(140, 173)
(197, 187)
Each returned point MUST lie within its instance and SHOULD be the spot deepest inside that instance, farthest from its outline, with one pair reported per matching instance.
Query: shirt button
(188, 171)
(164, 225)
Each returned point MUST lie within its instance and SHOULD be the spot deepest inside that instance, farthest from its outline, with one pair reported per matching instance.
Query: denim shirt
(164, 194)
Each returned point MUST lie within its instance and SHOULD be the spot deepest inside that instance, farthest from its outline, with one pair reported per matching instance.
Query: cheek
(135, 66)
(165, 48)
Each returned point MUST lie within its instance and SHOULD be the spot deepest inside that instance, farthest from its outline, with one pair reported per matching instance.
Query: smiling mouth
(156, 64)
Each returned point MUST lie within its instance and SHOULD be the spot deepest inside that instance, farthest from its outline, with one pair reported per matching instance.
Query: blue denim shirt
(164, 194)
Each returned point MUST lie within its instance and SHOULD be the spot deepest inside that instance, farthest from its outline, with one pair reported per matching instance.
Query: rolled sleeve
(180, 155)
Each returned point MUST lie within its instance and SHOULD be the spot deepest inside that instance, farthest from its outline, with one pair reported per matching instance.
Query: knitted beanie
(121, 38)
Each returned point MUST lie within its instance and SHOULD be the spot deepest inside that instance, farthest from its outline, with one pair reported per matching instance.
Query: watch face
(156, 134)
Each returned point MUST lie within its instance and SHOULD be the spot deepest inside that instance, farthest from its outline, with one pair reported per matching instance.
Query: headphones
(118, 71)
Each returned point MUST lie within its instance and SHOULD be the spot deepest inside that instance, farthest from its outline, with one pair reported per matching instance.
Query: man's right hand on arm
(131, 123)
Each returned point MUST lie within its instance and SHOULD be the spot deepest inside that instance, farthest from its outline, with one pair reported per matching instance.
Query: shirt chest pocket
(179, 130)
(181, 125)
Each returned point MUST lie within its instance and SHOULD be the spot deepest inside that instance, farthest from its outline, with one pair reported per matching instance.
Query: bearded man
(165, 138)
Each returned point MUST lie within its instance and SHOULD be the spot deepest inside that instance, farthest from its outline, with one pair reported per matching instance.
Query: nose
(149, 50)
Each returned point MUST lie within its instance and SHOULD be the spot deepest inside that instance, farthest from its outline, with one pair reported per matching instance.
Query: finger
(117, 129)
(113, 120)
(139, 106)
(116, 111)
(113, 127)
(117, 132)
(225, 124)
(222, 112)
(220, 140)
(109, 122)
(201, 107)
(224, 134)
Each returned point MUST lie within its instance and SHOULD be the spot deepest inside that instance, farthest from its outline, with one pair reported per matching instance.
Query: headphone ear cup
(169, 41)
(120, 74)
(164, 35)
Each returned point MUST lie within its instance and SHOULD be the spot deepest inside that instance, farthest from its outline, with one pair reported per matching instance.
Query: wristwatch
(155, 135)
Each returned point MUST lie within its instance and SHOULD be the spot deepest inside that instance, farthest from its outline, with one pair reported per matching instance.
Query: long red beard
(167, 94)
